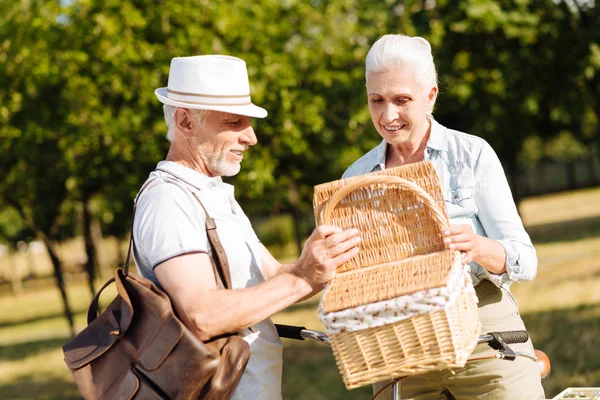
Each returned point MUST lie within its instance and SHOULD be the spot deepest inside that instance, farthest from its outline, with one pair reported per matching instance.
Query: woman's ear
(184, 122)
(431, 98)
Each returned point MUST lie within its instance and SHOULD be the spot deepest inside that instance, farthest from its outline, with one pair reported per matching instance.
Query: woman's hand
(486, 252)
(462, 238)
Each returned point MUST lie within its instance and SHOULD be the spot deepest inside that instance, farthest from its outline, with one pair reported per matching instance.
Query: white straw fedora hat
(211, 82)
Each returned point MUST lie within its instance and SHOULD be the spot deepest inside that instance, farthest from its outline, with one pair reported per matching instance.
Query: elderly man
(207, 110)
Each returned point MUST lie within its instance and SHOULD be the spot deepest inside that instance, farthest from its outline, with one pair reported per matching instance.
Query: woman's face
(399, 104)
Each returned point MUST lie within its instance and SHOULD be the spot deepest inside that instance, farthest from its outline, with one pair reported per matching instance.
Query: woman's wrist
(490, 254)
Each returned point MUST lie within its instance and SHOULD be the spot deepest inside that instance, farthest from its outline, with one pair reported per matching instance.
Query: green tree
(79, 121)
(33, 171)
(111, 142)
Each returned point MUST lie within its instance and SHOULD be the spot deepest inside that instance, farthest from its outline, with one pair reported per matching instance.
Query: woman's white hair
(401, 51)
(199, 116)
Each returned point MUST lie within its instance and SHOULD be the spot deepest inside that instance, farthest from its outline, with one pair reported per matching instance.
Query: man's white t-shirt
(169, 222)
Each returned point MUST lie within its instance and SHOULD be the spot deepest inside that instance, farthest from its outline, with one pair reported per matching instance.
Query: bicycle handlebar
(290, 332)
(507, 337)
(299, 333)
(500, 340)
(496, 340)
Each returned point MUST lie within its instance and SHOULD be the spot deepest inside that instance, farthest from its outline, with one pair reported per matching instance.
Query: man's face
(222, 140)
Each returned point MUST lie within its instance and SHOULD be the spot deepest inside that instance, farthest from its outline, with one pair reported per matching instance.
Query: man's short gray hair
(401, 51)
(169, 111)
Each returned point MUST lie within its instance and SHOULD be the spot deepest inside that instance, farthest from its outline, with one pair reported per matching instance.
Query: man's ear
(184, 122)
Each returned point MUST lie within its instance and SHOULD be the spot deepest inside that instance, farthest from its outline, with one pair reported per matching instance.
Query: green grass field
(561, 309)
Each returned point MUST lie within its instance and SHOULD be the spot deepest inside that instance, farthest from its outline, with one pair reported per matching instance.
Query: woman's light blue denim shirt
(476, 193)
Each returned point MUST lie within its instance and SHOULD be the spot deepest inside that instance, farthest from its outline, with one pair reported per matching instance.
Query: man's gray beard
(218, 166)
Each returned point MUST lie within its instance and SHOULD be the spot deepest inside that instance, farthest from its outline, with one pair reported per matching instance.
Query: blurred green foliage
(12, 227)
(275, 231)
(79, 121)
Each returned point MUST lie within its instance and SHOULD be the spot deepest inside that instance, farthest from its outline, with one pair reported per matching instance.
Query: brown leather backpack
(138, 348)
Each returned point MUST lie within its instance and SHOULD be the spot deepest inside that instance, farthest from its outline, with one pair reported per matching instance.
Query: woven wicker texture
(387, 281)
(400, 213)
(433, 341)
(394, 217)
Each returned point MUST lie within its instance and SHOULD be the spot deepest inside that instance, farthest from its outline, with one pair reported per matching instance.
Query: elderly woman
(402, 89)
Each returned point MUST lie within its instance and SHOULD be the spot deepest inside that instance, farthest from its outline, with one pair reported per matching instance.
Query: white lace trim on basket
(400, 308)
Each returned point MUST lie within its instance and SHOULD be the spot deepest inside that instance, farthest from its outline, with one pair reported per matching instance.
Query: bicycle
(498, 341)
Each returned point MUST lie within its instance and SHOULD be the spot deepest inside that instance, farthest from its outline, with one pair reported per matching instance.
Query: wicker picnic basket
(401, 215)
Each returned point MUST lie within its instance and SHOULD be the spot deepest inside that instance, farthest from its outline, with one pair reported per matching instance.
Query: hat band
(210, 99)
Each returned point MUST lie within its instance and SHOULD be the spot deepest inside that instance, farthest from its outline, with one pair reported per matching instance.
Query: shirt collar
(379, 156)
(437, 137)
(195, 178)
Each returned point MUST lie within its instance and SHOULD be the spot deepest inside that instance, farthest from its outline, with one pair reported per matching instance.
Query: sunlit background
(80, 129)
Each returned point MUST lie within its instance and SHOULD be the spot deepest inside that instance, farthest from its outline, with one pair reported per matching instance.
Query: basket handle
(405, 184)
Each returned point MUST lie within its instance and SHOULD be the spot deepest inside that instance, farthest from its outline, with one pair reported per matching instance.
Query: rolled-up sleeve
(499, 218)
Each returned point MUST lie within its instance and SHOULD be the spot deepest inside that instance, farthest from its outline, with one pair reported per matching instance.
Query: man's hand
(325, 249)
(462, 238)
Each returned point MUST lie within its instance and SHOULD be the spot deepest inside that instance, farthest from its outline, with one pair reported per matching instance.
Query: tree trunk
(56, 263)
(97, 240)
(90, 248)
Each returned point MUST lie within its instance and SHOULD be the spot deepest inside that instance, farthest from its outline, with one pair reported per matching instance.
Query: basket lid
(395, 219)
